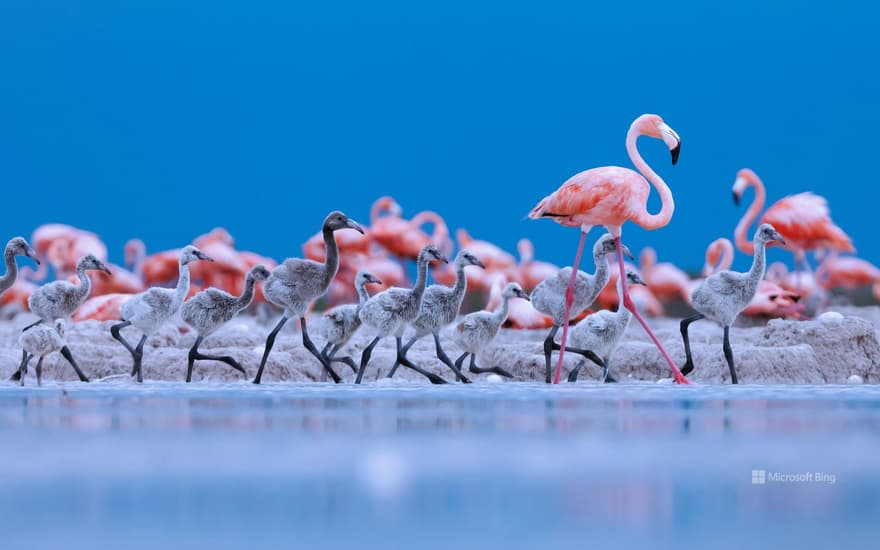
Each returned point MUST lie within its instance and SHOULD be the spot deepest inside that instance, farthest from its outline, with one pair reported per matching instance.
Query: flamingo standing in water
(803, 220)
(610, 196)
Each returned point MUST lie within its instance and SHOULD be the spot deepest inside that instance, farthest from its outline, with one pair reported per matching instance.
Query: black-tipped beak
(32, 254)
(443, 259)
(374, 280)
(675, 152)
(778, 237)
(626, 252)
(354, 225)
(736, 198)
(523, 295)
(203, 256)
(105, 269)
(479, 264)
(637, 280)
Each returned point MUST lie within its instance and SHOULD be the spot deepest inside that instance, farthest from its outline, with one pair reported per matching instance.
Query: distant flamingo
(522, 314)
(494, 257)
(610, 196)
(642, 297)
(405, 238)
(719, 256)
(771, 300)
(664, 280)
(803, 220)
(848, 272)
(105, 307)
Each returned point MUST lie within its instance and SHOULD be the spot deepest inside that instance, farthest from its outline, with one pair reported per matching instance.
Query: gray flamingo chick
(40, 341)
(341, 322)
(59, 299)
(390, 311)
(476, 330)
(297, 282)
(212, 308)
(440, 307)
(16, 246)
(597, 336)
(722, 296)
(549, 296)
(152, 308)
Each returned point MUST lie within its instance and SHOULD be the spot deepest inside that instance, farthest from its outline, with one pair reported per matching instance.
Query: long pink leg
(631, 306)
(569, 299)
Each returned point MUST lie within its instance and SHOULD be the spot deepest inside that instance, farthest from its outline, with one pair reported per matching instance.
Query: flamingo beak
(374, 280)
(675, 152)
(479, 264)
(104, 268)
(523, 295)
(636, 279)
(32, 254)
(354, 225)
(778, 237)
(627, 253)
(736, 198)
(202, 256)
(672, 140)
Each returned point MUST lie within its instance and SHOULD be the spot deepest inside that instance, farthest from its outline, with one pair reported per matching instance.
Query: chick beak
(32, 254)
(354, 225)
(479, 264)
(626, 252)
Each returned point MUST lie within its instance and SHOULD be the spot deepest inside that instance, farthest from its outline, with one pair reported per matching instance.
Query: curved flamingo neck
(647, 260)
(500, 314)
(644, 218)
(247, 295)
(381, 205)
(85, 286)
(526, 251)
(742, 228)
(182, 282)
(362, 293)
(422, 278)
(331, 261)
(11, 270)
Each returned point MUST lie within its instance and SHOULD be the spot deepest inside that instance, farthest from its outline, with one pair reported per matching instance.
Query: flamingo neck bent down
(643, 218)
(739, 234)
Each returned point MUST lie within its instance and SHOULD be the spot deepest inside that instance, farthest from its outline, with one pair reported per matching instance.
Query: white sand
(831, 349)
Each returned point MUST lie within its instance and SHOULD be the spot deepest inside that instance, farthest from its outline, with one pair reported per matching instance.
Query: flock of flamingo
(209, 282)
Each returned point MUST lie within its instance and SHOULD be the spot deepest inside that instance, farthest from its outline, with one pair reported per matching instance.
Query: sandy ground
(827, 350)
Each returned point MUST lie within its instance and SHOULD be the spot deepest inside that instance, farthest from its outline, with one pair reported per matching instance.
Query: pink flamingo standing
(610, 196)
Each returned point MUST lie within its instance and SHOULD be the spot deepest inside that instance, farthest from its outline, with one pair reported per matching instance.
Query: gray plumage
(441, 303)
(16, 246)
(211, 308)
(298, 282)
(39, 341)
(59, 299)
(150, 309)
(602, 331)
(723, 295)
(341, 322)
(389, 311)
(476, 330)
(549, 296)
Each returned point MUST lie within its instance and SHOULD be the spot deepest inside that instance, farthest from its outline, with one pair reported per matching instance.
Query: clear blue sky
(162, 119)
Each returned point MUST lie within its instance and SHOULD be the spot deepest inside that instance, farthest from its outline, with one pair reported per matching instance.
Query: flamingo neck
(647, 260)
(247, 295)
(331, 262)
(756, 273)
(11, 270)
(422, 278)
(500, 314)
(742, 228)
(643, 218)
(460, 281)
(85, 284)
(362, 293)
(182, 287)
(603, 271)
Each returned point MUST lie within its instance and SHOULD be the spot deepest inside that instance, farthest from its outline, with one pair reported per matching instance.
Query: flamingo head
(633, 278)
(607, 245)
(259, 272)
(337, 220)
(465, 258)
(653, 126)
(430, 252)
(89, 261)
(513, 290)
(363, 278)
(766, 233)
(744, 178)
(20, 247)
(190, 254)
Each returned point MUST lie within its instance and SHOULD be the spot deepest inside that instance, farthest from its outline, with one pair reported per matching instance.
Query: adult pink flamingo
(803, 220)
(665, 280)
(610, 196)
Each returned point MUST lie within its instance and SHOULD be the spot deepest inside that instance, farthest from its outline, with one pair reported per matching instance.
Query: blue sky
(160, 120)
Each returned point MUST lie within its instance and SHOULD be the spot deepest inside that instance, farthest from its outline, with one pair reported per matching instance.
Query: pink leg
(630, 305)
(569, 299)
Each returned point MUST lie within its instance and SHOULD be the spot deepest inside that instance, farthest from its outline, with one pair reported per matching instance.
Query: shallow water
(492, 465)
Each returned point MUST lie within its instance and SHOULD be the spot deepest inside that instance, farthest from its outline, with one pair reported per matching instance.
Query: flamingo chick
(478, 329)
(549, 297)
(597, 336)
(212, 308)
(723, 295)
(343, 321)
(40, 341)
(390, 311)
(297, 283)
(610, 196)
(440, 307)
(150, 309)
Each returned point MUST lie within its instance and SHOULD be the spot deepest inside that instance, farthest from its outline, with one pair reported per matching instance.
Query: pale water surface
(495, 465)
